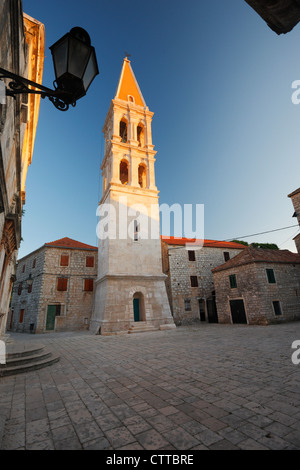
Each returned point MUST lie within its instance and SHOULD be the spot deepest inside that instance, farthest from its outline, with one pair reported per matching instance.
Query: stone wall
(76, 303)
(177, 266)
(33, 265)
(22, 54)
(258, 294)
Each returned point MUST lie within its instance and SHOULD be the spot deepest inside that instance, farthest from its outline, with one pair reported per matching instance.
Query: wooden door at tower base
(136, 309)
(238, 313)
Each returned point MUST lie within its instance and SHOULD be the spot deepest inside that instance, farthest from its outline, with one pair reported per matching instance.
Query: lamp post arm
(19, 85)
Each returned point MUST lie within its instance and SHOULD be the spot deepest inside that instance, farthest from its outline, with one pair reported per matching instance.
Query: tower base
(127, 303)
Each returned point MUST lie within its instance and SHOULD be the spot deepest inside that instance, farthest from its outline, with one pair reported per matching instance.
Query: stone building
(190, 285)
(280, 15)
(54, 288)
(130, 291)
(295, 197)
(22, 42)
(259, 287)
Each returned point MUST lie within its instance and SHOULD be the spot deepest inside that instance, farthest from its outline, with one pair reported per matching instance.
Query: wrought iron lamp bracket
(18, 85)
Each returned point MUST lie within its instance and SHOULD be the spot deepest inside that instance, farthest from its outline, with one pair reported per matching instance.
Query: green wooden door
(136, 309)
(50, 317)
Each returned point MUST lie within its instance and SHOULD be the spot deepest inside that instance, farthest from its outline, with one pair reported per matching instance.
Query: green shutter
(232, 280)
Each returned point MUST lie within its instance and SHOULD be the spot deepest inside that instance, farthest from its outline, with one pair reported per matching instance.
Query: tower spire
(128, 88)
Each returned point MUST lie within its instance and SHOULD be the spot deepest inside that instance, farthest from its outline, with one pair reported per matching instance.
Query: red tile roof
(69, 243)
(207, 243)
(294, 192)
(260, 255)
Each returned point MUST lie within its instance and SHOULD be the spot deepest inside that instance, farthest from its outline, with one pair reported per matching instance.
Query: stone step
(24, 357)
(141, 327)
(12, 361)
(29, 366)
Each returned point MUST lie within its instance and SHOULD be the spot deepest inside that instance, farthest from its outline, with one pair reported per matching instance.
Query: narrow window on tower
(142, 176)
(140, 135)
(136, 231)
(124, 172)
(123, 130)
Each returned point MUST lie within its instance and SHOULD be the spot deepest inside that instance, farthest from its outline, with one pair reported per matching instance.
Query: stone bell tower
(130, 292)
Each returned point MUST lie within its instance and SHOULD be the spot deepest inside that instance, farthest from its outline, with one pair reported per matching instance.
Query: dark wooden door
(51, 310)
(202, 310)
(136, 309)
(212, 309)
(238, 313)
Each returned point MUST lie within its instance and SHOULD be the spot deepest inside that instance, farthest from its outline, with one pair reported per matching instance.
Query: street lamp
(75, 67)
(29, 282)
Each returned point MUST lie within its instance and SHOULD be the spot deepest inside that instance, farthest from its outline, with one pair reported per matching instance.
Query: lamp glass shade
(91, 70)
(79, 54)
(60, 57)
(75, 63)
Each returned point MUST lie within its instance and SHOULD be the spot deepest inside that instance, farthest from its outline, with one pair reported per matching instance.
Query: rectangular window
(21, 315)
(62, 284)
(191, 255)
(194, 281)
(277, 307)
(232, 280)
(20, 289)
(89, 261)
(57, 310)
(30, 288)
(23, 269)
(187, 305)
(226, 255)
(33, 263)
(271, 276)
(89, 285)
(64, 260)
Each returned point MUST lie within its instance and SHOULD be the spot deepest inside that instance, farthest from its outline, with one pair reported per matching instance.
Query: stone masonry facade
(184, 299)
(258, 295)
(74, 302)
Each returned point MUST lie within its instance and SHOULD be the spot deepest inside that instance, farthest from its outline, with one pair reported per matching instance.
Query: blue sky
(226, 132)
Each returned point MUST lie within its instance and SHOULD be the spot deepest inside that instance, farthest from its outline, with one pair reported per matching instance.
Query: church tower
(130, 292)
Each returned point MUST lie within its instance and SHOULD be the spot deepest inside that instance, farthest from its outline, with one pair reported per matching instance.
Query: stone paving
(195, 388)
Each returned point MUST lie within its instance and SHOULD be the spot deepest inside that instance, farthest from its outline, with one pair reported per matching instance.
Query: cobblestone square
(206, 386)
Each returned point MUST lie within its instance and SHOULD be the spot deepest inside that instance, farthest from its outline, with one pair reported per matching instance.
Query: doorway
(212, 308)
(202, 310)
(238, 313)
(52, 312)
(138, 307)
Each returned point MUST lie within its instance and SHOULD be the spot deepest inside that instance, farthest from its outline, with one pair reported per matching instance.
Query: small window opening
(141, 136)
(131, 98)
(123, 131)
(226, 256)
(194, 281)
(136, 230)
(271, 276)
(232, 280)
(187, 305)
(277, 307)
(192, 256)
(124, 173)
(142, 176)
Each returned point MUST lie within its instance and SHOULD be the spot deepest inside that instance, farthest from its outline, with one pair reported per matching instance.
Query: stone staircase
(26, 357)
(141, 327)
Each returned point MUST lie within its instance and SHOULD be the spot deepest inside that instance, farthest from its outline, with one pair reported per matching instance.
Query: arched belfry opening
(141, 135)
(123, 130)
(138, 307)
(124, 172)
(142, 175)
